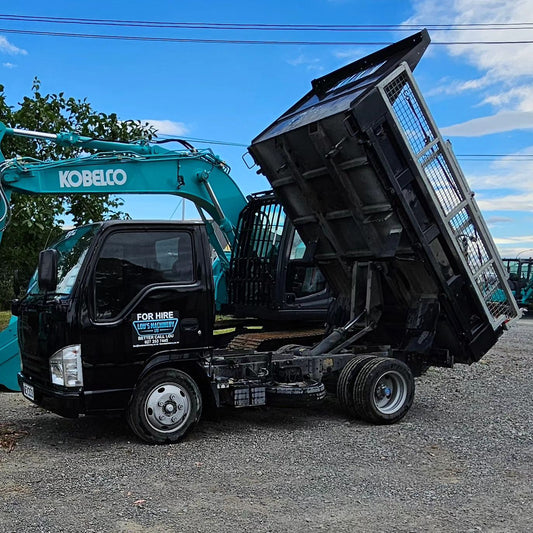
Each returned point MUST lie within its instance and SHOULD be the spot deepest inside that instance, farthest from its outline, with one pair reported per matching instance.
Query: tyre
(298, 394)
(347, 380)
(383, 391)
(164, 406)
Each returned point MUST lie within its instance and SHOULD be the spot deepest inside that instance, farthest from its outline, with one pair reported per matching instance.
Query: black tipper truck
(379, 200)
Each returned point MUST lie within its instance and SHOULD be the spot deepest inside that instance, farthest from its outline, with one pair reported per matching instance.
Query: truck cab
(126, 294)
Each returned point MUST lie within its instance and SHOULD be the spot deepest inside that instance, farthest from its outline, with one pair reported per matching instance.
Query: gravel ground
(461, 460)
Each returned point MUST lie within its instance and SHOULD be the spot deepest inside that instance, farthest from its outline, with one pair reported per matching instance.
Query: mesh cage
(452, 195)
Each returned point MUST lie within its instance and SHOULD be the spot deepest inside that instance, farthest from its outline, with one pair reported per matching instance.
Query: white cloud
(506, 71)
(500, 122)
(498, 220)
(168, 127)
(510, 202)
(448, 85)
(310, 63)
(8, 65)
(510, 252)
(514, 240)
(7, 48)
(519, 96)
(350, 54)
(498, 61)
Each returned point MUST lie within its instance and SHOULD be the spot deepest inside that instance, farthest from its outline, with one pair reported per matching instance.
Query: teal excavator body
(126, 168)
(9, 356)
(121, 168)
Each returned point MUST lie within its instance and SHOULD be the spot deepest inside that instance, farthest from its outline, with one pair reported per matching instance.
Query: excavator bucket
(365, 176)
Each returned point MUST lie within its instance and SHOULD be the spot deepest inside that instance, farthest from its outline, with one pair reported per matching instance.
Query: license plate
(28, 391)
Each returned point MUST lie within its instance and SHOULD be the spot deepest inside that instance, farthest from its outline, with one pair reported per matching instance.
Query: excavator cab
(272, 275)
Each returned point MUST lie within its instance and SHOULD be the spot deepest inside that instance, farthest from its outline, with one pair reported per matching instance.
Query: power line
(239, 41)
(497, 155)
(463, 157)
(269, 27)
(210, 141)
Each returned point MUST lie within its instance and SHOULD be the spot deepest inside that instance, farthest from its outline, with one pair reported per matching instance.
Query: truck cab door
(148, 294)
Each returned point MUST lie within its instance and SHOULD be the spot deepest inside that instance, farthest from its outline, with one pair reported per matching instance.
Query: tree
(36, 221)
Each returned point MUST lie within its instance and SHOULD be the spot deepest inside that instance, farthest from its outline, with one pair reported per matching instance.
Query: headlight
(65, 367)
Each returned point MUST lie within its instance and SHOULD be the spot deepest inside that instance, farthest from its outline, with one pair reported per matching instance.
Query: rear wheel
(164, 406)
(383, 391)
(347, 379)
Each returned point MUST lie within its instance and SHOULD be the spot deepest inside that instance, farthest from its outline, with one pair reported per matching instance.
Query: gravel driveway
(460, 461)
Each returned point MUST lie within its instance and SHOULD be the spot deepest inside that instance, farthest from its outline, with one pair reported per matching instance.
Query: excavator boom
(126, 168)
(119, 168)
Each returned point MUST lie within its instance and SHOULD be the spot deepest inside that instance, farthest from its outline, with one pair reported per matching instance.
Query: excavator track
(265, 341)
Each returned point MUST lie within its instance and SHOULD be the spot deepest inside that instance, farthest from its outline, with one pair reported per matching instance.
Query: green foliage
(36, 220)
(5, 317)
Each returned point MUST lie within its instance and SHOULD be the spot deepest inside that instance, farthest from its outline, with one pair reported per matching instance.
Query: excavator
(121, 318)
(521, 279)
(271, 278)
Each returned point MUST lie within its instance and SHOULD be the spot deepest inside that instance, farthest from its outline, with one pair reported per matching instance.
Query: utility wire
(175, 209)
(209, 141)
(463, 157)
(240, 41)
(511, 26)
(269, 27)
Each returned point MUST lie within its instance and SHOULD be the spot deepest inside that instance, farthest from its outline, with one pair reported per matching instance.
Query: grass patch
(5, 316)
(223, 331)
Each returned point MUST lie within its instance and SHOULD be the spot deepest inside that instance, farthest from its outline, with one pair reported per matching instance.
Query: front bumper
(62, 402)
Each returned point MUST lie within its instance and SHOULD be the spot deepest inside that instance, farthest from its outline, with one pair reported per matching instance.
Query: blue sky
(480, 95)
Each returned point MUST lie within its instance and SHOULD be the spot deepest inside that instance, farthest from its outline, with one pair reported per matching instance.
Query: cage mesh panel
(470, 241)
(441, 178)
(449, 193)
(408, 113)
(491, 288)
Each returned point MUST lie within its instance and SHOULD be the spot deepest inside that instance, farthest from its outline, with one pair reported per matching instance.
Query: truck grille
(35, 367)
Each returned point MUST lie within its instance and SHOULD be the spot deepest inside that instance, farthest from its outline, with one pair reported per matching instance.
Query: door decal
(152, 329)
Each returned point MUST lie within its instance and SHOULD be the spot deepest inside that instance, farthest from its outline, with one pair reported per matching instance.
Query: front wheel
(164, 406)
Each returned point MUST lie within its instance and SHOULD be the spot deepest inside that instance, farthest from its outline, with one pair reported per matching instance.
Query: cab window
(129, 261)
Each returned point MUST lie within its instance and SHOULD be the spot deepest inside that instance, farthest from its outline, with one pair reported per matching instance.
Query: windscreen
(71, 248)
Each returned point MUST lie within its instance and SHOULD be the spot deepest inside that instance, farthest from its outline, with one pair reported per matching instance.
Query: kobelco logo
(92, 178)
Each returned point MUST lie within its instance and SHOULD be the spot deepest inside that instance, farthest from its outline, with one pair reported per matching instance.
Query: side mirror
(47, 271)
(15, 307)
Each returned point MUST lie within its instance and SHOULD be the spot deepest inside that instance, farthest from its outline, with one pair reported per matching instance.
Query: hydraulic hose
(6, 210)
